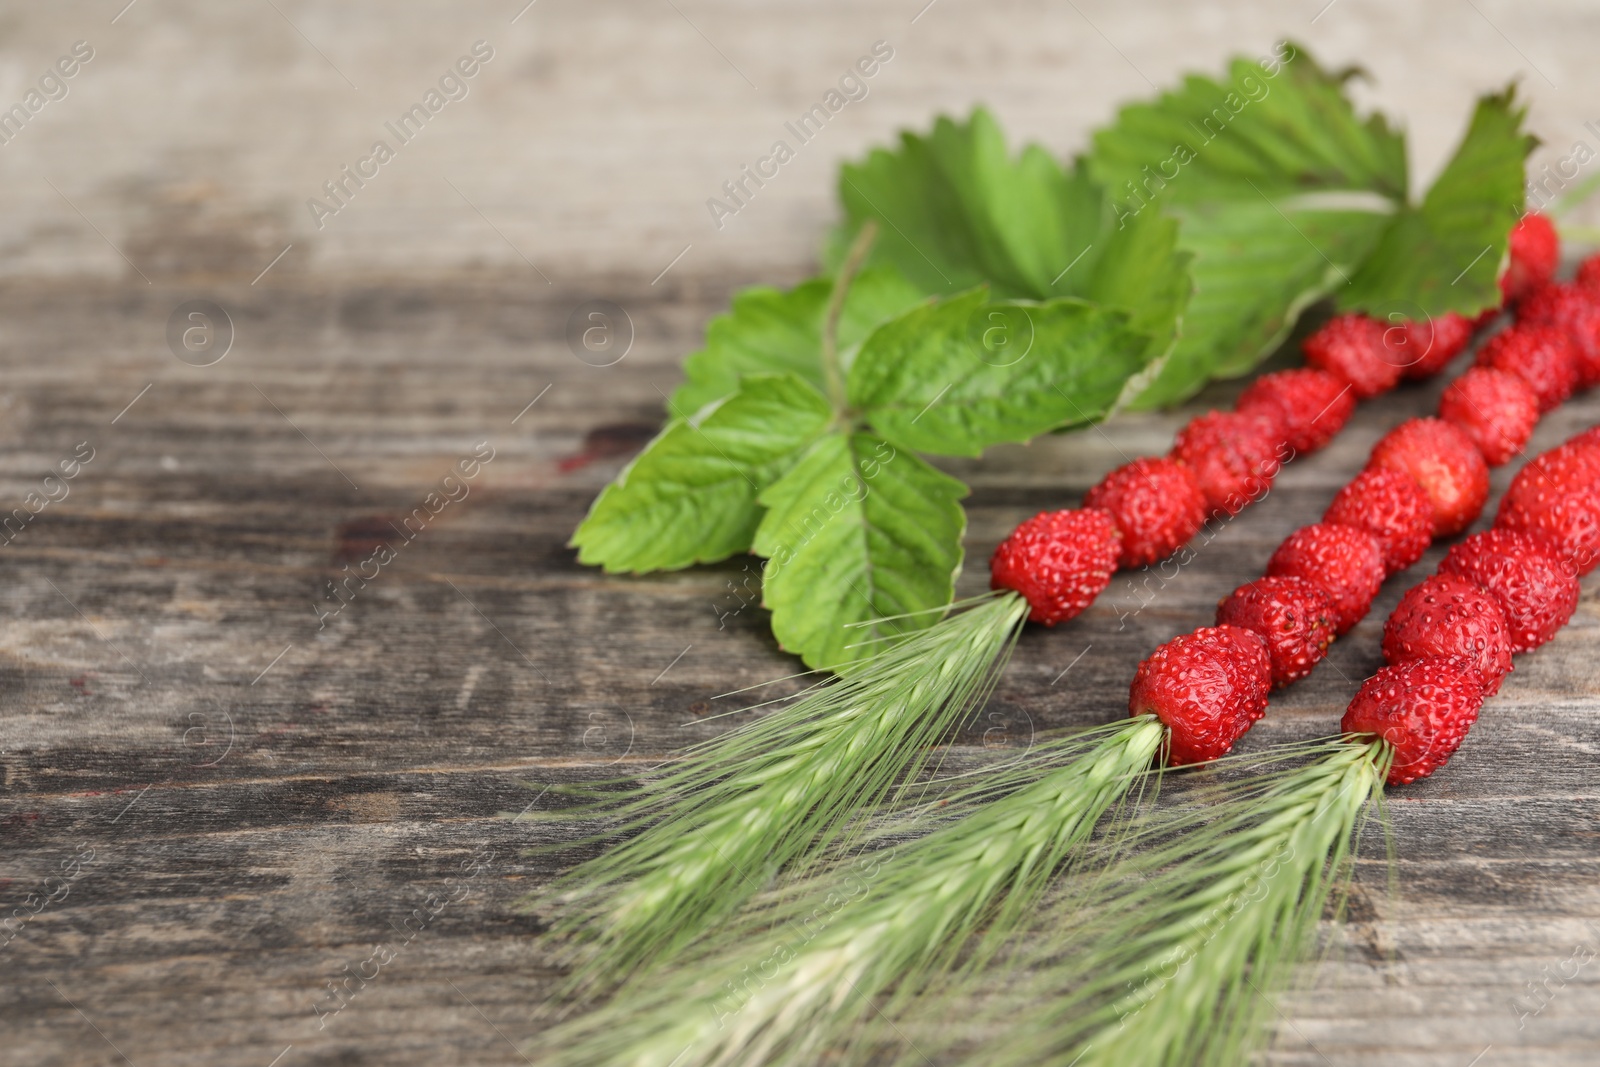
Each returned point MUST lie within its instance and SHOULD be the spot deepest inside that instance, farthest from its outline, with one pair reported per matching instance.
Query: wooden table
(231, 801)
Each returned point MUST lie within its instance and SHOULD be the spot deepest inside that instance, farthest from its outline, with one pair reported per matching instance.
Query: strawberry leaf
(1271, 128)
(959, 211)
(1257, 266)
(1281, 191)
(1445, 254)
(960, 375)
(1141, 270)
(855, 532)
(690, 496)
(775, 331)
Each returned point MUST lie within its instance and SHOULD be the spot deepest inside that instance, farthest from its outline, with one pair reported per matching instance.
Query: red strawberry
(1234, 457)
(1574, 462)
(1059, 561)
(1343, 560)
(1535, 589)
(1423, 708)
(1543, 356)
(1569, 525)
(1447, 615)
(1444, 462)
(1588, 278)
(1157, 505)
(1207, 686)
(1309, 406)
(1535, 250)
(1352, 349)
(1393, 509)
(1580, 452)
(1556, 499)
(1498, 411)
(1426, 346)
(1293, 617)
(1575, 311)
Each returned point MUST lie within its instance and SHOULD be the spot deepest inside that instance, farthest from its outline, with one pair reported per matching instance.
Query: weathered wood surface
(267, 801)
(592, 139)
(258, 822)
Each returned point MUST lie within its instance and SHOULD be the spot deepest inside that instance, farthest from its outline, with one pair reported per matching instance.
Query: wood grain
(591, 142)
(267, 801)
(237, 803)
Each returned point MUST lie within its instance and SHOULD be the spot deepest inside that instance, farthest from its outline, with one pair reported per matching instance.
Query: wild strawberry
(1059, 561)
(1543, 356)
(1582, 449)
(1426, 346)
(1588, 276)
(1575, 311)
(1444, 462)
(1498, 411)
(1208, 687)
(1535, 250)
(1556, 499)
(1575, 462)
(1569, 525)
(1234, 457)
(1310, 406)
(1157, 505)
(1535, 589)
(1345, 562)
(1447, 615)
(1294, 617)
(1423, 708)
(1351, 348)
(1393, 509)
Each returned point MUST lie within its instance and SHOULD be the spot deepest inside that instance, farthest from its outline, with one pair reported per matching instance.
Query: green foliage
(1233, 160)
(856, 526)
(958, 376)
(773, 331)
(1261, 192)
(691, 495)
(1181, 248)
(1257, 265)
(1285, 196)
(959, 211)
(1142, 270)
(859, 535)
(1279, 127)
(1446, 253)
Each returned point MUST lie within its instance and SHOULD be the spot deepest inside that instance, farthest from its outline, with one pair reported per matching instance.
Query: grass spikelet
(793, 976)
(1188, 940)
(714, 828)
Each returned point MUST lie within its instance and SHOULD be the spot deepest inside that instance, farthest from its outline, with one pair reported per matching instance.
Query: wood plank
(259, 821)
(267, 798)
(579, 161)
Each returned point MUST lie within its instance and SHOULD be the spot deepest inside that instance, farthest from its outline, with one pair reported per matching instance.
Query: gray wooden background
(218, 803)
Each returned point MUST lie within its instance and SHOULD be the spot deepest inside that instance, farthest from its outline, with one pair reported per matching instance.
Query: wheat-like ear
(1172, 956)
(714, 828)
(796, 974)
